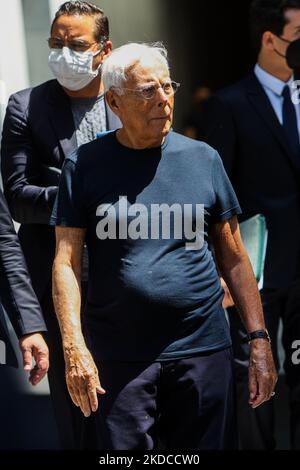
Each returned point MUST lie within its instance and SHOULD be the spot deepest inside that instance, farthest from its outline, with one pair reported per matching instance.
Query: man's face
(146, 118)
(78, 33)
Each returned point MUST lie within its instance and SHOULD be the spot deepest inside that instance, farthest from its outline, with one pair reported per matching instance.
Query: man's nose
(162, 98)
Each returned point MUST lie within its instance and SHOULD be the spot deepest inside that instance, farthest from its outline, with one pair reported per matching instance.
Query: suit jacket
(241, 124)
(38, 131)
(16, 292)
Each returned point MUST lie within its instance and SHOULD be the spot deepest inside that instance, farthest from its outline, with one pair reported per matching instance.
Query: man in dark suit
(42, 126)
(255, 126)
(20, 302)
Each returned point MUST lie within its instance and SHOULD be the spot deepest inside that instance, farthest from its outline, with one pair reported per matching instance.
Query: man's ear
(107, 50)
(268, 40)
(112, 101)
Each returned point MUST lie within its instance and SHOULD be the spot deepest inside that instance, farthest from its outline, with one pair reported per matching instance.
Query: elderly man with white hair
(148, 202)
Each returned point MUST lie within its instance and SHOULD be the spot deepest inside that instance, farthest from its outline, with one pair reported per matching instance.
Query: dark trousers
(256, 427)
(180, 404)
(69, 419)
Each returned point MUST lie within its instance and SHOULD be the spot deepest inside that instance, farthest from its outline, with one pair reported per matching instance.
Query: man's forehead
(147, 73)
(74, 26)
(292, 15)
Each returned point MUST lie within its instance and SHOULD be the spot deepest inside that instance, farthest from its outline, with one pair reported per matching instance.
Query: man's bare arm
(81, 372)
(235, 267)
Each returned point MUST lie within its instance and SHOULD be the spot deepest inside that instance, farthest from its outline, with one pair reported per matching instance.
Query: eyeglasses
(75, 45)
(148, 92)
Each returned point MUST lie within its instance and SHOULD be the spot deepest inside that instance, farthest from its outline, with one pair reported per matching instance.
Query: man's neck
(130, 140)
(273, 69)
(92, 90)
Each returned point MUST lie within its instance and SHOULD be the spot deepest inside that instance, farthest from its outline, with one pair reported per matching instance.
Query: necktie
(289, 123)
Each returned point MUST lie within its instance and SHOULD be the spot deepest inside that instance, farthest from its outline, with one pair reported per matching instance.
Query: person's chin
(163, 125)
(166, 129)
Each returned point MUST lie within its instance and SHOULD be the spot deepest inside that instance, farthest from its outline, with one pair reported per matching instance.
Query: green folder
(255, 235)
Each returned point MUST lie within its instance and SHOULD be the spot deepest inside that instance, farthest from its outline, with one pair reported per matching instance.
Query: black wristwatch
(264, 334)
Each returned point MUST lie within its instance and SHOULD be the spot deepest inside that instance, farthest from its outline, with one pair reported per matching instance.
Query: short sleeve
(226, 202)
(69, 208)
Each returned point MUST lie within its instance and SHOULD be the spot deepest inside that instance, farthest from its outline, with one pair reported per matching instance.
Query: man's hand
(33, 346)
(82, 378)
(262, 372)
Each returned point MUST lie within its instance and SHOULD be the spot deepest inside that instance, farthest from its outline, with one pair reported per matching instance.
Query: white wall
(13, 62)
(53, 7)
(37, 30)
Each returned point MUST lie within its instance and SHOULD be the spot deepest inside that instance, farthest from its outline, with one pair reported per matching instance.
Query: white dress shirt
(274, 88)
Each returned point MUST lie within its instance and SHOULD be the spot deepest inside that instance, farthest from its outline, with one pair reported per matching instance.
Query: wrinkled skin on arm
(81, 372)
(235, 267)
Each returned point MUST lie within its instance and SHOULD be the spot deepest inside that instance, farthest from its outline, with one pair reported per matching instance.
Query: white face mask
(73, 70)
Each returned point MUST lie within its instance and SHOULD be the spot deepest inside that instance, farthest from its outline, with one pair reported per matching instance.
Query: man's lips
(161, 118)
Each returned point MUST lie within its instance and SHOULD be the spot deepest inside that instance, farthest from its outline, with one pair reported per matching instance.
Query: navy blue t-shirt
(154, 291)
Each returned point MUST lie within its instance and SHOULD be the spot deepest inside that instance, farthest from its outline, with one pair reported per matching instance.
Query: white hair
(114, 68)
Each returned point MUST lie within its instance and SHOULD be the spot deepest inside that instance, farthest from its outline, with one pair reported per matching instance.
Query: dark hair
(269, 15)
(86, 8)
